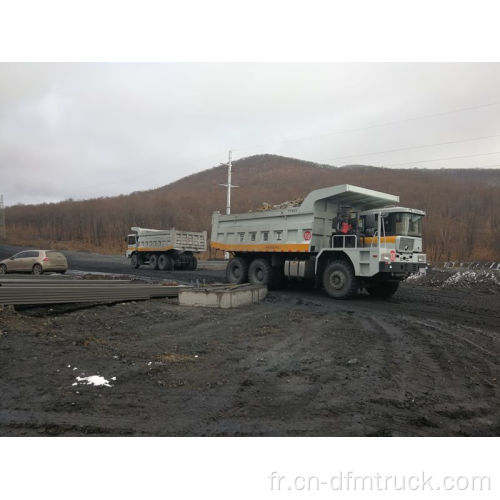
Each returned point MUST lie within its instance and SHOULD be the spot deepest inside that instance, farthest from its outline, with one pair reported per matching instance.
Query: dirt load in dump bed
(423, 363)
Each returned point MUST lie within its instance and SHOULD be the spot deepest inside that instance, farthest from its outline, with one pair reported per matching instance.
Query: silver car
(34, 261)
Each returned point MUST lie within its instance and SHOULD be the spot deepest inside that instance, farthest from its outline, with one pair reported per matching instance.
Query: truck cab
(131, 241)
(396, 232)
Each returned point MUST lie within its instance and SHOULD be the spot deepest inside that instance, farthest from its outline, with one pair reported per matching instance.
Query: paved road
(208, 271)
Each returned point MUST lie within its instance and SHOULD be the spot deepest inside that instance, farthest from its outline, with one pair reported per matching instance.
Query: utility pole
(2, 219)
(229, 166)
(228, 202)
(228, 195)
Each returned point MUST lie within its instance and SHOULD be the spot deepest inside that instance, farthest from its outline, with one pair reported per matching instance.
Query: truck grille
(406, 244)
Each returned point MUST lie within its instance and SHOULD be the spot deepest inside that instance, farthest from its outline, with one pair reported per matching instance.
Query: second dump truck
(343, 237)
(165, 249)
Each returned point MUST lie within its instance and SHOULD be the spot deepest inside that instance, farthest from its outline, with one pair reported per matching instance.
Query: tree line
(462, 222)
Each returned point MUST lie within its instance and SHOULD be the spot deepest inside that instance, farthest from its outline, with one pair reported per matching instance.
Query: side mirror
(11, 258)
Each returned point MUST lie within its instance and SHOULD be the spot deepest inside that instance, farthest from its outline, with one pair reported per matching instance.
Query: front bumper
(401, 268)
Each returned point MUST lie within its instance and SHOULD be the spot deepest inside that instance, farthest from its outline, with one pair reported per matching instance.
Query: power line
(441, 159)
(415, 147)
(375, 125)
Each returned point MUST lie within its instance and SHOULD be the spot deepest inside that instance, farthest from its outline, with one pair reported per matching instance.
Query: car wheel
(37, 269)
(3, 269)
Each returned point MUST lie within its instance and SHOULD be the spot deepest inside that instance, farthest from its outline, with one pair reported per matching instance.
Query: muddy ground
(425, 363)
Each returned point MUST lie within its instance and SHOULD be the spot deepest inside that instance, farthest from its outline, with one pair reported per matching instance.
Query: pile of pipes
(58, 290)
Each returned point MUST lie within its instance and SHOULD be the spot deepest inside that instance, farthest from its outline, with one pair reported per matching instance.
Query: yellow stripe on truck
(384, 239)
(151, 249)
(261, 247)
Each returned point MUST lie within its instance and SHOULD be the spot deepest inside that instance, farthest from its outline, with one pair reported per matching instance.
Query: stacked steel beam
(15, 291)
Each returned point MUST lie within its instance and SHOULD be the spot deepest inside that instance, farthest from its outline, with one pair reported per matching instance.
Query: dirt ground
(425, 363)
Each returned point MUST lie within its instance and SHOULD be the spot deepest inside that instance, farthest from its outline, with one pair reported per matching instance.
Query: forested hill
(463, 206)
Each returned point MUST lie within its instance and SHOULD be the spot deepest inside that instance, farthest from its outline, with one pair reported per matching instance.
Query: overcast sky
(85, 130)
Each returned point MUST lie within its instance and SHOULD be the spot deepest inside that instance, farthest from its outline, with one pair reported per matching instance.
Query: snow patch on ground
(94, 380)
(487, 281)
(472, 278)
(415, 277)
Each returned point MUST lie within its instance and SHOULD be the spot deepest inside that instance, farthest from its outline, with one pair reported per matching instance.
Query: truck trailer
(345, 238)
(165, 249)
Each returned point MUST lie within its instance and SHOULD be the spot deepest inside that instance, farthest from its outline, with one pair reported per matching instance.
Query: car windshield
(403, 224)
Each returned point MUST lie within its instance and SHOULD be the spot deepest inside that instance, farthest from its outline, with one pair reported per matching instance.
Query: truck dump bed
(306, 228)
(158, 240)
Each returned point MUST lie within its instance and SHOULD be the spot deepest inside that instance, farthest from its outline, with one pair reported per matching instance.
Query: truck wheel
(194, 263)
(383, 289)
(153, 261)
(339, 280)
(165, 262)
(134, 261)
(237, 271)
(260, 272)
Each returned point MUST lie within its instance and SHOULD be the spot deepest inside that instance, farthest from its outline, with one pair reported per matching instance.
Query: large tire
(194, 263)
(339, 281)
(165, 262)
(260, 272)
(37, 269)
(3, 269)
(237, 271)
(383, 289)
(153, 261)
(134, 261)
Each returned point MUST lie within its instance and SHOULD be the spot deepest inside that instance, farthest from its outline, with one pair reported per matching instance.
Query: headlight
(421, 258)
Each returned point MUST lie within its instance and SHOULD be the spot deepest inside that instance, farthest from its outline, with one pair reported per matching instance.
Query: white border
(231, 468)
(261, 30)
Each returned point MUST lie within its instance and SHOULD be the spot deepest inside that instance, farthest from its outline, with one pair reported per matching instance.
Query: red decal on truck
(307, 235)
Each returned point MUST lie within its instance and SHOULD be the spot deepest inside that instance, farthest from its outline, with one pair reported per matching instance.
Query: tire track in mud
(436, 380)
(277, 375)
(471, 400)
(403, 378)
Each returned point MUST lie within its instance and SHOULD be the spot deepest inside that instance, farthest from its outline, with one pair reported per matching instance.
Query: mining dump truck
(345, 238)
(165, 249)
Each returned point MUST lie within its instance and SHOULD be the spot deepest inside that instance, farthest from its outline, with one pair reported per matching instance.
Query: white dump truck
(344, 237)
(165, 249)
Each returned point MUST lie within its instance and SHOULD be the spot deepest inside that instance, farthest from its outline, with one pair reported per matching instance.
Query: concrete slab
(223, 296)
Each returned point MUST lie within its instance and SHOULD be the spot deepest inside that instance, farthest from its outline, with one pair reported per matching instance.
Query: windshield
(403, 224)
